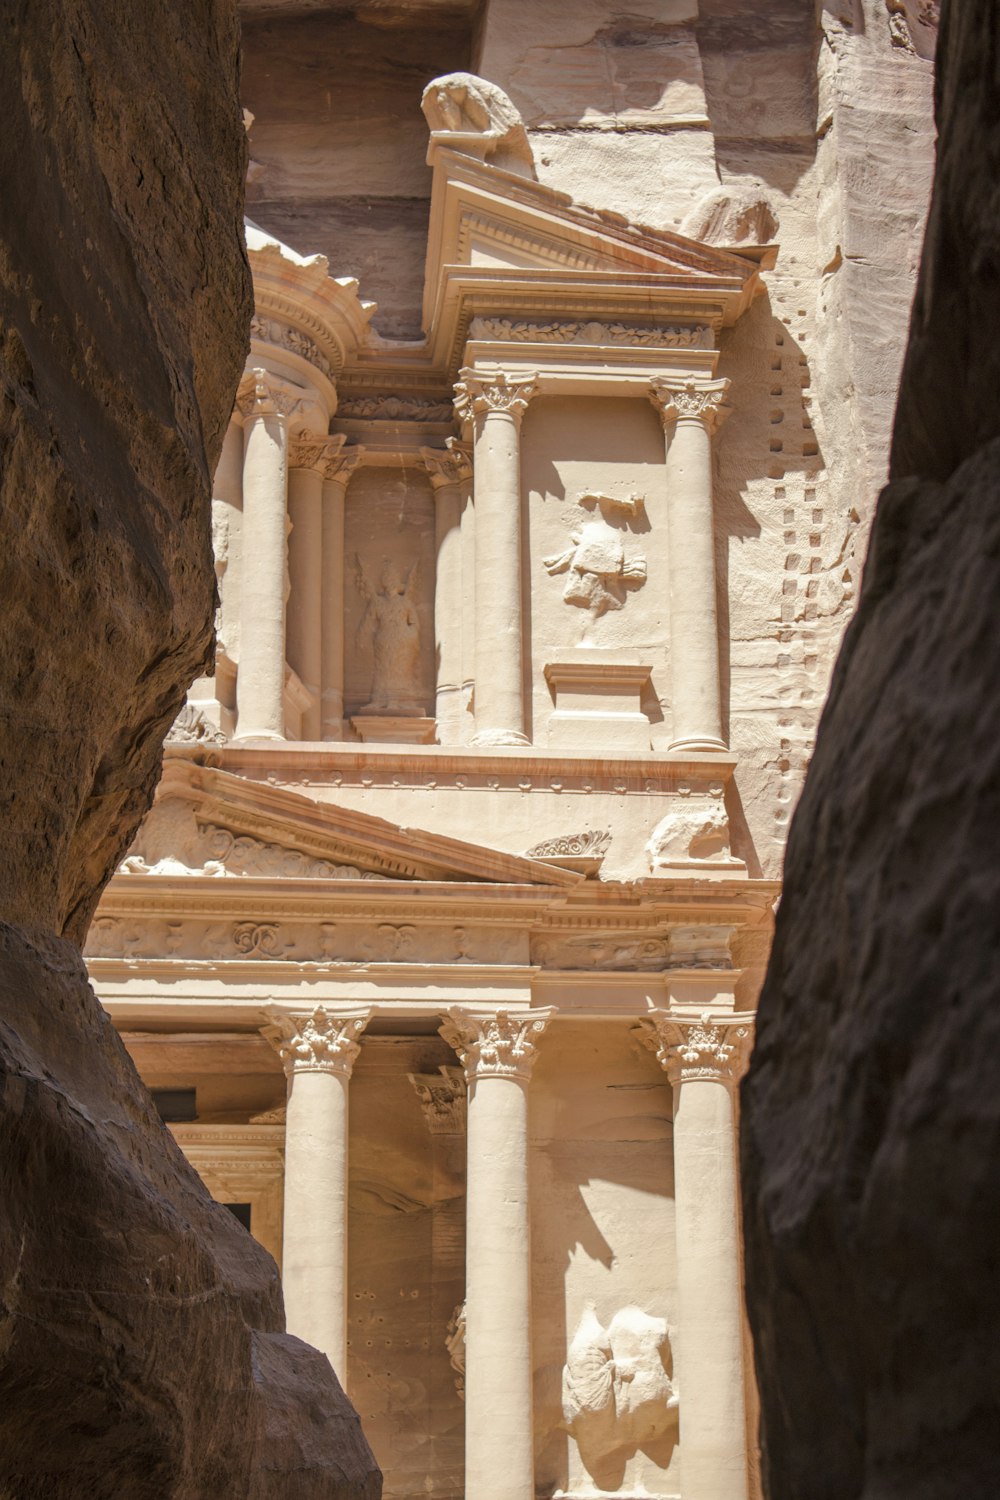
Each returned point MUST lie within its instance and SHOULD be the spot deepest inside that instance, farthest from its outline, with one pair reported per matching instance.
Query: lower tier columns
(497, 1054)
(704, 1061)
(318, 1053)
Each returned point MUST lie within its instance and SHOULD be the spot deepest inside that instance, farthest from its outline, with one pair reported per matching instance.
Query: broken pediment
(206, 822)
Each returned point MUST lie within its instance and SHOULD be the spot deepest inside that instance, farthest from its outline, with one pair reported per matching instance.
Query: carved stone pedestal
(598, 692)
(394, 729)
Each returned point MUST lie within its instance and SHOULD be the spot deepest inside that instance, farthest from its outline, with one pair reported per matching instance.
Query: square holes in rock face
(175, 1106)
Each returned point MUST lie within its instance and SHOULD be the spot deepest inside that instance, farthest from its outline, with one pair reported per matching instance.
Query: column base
(490, 737)
(245, 737)
(698, 742)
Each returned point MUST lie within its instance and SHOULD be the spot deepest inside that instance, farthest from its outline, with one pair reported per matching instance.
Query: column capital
(690, 399)
(447, 467)
(339, 466)
(716, 1049)
(495, 1044)
(314, 451)
(480, 392)
(260, 394)
(323, 1042)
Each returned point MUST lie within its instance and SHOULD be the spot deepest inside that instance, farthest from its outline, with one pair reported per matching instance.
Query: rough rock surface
(141, 1343)
(871, 1134)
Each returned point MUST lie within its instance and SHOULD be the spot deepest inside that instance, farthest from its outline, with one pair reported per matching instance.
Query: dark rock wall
(871, 1111)
(141, 1351)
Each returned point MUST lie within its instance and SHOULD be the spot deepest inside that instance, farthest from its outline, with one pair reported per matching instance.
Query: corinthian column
(337, 471)
(704, 1061)
(260, 683)
(450, 473)
(318, 1053)
(308, 459)
(497, 1054)
(495, 404)
(691, 410)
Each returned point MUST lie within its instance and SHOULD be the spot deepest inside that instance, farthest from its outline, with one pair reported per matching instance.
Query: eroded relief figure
(475, 116)
(391, 626)
(601, 569)
(617, 1393)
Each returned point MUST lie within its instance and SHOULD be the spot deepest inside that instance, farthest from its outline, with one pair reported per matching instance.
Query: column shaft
(691, 410)
(337, 476)
(227, 491)
(499, 1449)
(694, 628)
(704, 1060)
(314, 1253)
(496, 403)
(709, 1340)
(260, 683)
(318, 1053)
(305, 566)
(448, 613)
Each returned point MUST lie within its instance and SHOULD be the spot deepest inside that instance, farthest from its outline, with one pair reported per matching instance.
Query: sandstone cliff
(871, 1138)
(141, 1351)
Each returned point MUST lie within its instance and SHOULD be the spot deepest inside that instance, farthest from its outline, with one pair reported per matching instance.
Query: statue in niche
(475, 116)
(601, 571)
(617, 1392)
(391, 626)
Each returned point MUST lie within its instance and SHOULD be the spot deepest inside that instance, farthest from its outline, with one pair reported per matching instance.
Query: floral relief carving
(595, 842)
(390, 408)
(624, 952)
(283, 336)
(323, 1042)
(477, 394)
(698, 400)
(442, 1099)
(521, 330)
(703, 1048)
(495, 1045)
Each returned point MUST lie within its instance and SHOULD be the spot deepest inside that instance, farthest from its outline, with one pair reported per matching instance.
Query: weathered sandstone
(871, 1135)
(141, 1343)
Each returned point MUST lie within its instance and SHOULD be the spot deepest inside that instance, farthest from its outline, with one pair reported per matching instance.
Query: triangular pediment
(483, 217)
(207, 822)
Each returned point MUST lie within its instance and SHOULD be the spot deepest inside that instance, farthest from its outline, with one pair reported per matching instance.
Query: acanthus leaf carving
(442, 1099)
(387, 407)
(495, 1044)
(478, 393)
(284, 336)
(677, 398)
(595, 842)
(324, 1041)
(258, 939)
(690, 1048)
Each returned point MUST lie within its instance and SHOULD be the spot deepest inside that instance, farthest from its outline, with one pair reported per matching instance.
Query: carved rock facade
(530, 577)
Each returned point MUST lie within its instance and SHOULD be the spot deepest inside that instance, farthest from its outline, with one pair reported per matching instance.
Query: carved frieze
(362, 941)
(284, 336)
(387, 407)
(601, 952)
(525, 331)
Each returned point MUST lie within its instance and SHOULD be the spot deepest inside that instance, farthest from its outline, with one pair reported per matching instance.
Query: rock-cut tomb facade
(441, 943)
